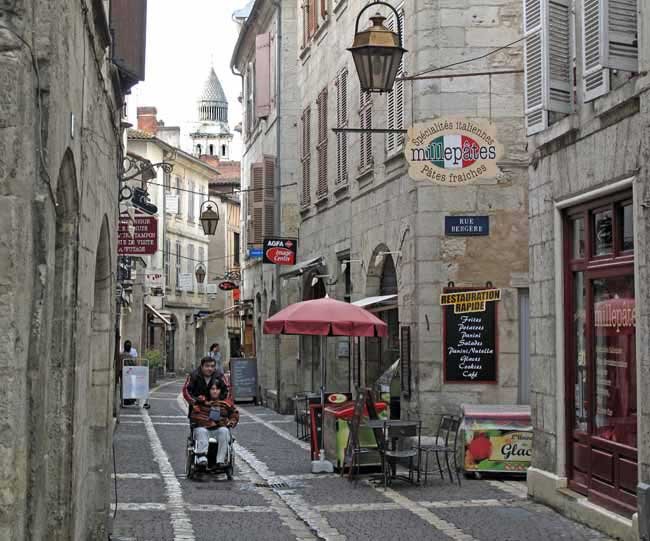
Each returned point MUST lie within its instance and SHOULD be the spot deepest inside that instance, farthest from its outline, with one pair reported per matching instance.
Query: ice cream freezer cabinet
(498, 439)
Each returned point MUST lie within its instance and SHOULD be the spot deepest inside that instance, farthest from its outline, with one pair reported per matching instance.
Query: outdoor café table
(395, 430)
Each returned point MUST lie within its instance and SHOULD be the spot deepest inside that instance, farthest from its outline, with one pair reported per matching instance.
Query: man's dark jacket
(196, 386)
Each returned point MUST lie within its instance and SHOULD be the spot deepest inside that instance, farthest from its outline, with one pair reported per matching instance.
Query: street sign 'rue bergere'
(452, 151)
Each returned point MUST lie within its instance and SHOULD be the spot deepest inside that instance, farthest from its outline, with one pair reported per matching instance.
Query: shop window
(614, 347)
(626, 226)
(603, 238)
(578, 230)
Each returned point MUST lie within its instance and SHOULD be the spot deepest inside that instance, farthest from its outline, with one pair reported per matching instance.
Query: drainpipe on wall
(277, 226)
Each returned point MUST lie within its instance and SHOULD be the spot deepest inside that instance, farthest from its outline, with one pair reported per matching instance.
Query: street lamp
(209, 218)
(200, 272)
(377, 52)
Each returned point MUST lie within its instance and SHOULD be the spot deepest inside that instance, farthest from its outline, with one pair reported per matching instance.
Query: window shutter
(609, 40)
(341, 122)
(306, 157)
(547, 61)
(395, 98)
(257, 176)
(128, 21)
(263, 75)
(322, 143)
(313, 17)
(365, 118)
(268, 229)
(622, 35)
(595, 77)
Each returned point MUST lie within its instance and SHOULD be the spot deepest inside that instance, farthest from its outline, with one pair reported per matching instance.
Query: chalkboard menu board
(470, 349)
(243, 377)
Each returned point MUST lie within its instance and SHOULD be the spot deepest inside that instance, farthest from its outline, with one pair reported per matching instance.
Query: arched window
(198, 149)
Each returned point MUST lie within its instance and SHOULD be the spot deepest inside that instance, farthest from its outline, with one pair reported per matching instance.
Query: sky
(184, 38)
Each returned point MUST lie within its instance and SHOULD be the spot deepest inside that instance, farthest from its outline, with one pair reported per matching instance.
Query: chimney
(147, 120)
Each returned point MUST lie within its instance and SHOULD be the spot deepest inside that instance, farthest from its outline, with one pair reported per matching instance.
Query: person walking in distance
(215, 353)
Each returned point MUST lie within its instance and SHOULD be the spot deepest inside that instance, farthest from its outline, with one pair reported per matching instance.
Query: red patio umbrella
(325, 317)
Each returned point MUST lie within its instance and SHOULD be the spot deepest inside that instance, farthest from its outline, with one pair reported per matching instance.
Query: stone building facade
(370, 234)
(265, 57)
(173, 325)
(588, 150)
(61, 147)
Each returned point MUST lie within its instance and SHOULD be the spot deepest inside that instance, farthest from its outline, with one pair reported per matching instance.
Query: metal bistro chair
(391, 453)
(446, 444)
(301, 414)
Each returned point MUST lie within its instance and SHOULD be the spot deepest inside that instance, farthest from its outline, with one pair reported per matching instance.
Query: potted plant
(154, 358)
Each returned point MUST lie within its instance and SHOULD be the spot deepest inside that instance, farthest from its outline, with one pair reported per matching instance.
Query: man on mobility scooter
(211, 418)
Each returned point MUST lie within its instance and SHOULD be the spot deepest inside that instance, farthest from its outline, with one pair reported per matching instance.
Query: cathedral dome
(213, 105)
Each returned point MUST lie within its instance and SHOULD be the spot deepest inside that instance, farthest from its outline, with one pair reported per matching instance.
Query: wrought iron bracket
(133, 167)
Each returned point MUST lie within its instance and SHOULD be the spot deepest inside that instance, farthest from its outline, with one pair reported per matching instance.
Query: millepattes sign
(452, 151)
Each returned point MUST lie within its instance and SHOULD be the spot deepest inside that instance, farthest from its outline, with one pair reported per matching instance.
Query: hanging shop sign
(465, 302)
(467, 226)
(470, 336)
(280, 251)
(227, 285)
(236, 294)
(452, 151)
(139, 240)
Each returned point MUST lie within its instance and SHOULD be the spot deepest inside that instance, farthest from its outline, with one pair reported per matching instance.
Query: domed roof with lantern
(212, 108)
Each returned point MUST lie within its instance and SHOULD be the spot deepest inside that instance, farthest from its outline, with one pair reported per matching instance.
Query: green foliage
(154, 357)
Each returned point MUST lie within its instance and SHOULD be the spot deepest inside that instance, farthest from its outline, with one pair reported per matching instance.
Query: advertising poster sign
(280, 251)
(185, 281)
(135, 382)
(139, 240)
(452, 151)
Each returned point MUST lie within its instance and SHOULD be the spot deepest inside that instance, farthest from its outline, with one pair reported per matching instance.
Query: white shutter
(395, 98)
(622, 35)
(595, 77)
(547, 61)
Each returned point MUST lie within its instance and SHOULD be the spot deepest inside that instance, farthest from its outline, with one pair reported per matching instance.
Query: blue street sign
(467, 226)
(255, 252)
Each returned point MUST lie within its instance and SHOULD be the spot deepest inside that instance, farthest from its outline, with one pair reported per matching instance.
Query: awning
(371, 301)
(158, 315)
(301, 268)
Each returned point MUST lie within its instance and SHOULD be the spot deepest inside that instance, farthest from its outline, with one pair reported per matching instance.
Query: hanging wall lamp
(377, 52)
(209, 218)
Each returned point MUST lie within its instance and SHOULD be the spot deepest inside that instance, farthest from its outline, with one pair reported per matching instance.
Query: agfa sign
(452, 151)
(280, 251)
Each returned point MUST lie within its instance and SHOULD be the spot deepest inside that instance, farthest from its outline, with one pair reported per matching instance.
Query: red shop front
(600, 323)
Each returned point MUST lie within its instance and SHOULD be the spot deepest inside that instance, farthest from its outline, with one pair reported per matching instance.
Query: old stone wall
(59, 143)
(261, 284)
(382, 209)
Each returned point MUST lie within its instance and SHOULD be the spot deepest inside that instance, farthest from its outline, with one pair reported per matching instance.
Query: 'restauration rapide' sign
(452, 151)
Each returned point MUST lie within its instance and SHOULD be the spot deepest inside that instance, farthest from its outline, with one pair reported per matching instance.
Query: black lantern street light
(377, 52)
(209, 218)
(200, 272)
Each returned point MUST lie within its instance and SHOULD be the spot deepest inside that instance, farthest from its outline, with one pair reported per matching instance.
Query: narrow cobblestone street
(274, 497)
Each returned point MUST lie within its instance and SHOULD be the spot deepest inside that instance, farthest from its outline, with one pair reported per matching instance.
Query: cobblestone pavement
(156, 503)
